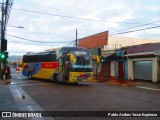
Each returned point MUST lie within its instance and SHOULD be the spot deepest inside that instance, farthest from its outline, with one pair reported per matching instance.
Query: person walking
(7, 72)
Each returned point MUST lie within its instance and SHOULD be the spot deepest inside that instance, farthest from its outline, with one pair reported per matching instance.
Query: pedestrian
(7, 72)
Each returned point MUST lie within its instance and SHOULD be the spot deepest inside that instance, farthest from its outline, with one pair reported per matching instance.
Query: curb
(120, 84)
(5, 82)
(89, 81)
(124, 84)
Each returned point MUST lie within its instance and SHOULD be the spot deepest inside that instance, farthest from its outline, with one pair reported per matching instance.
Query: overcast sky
(57, 21)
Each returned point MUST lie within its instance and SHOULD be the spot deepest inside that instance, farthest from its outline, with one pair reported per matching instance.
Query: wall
(97, 40)
(158, 71)
(115, 42)
(113, 68)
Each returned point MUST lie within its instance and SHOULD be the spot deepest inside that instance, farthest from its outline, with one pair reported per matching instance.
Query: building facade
(139, 62)
(116, 42)
(143, 62)
(115, 66)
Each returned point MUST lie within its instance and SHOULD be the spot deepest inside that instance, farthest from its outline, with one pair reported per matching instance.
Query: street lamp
(16, 26)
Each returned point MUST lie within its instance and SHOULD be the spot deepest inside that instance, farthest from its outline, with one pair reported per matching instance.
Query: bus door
(66, 68)
(63, 69)
(60, 69)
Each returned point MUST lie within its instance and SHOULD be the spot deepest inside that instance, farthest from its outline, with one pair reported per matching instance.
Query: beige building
(116, 42)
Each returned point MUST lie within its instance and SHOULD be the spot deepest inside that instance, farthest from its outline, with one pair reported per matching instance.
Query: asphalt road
(88, 96)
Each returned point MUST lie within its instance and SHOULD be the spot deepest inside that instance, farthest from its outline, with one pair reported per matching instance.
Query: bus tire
(29, 75)
(55, 78)
(76, 83)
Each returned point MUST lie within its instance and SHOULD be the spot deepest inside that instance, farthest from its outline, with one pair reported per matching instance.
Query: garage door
(143, 70)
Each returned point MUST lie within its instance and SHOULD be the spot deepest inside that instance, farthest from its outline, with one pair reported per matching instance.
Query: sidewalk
(14, 98)
(3, 82)
(7, 102)
(138, 84)
(123, 82)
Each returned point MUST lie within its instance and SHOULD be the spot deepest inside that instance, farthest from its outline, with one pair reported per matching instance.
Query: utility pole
(2, 23)
(6, 15)
(2, 37)
(76, 39)
(4, 20)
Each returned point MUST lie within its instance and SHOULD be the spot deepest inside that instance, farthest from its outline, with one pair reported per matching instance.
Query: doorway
(120, 70)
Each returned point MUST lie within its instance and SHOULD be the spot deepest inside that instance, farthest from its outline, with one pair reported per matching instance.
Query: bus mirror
(71, 57)
(97, 59)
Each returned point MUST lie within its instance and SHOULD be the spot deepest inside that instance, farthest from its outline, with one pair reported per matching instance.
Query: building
(138, 62)
(116, 42)
(106, 42)
(144, 62)
(93, 41)
(108, 45)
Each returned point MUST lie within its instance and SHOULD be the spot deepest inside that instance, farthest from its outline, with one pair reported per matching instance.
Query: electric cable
(37, 12)
(136, 30)
(34, 40)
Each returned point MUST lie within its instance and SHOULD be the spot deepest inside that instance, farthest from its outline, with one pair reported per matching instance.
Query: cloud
(21, 48)
(55, 28)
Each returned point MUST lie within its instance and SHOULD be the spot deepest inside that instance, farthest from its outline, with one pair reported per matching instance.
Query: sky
(53, 23)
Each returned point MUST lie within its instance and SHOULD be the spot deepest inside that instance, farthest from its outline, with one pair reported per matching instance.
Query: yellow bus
(68, 64)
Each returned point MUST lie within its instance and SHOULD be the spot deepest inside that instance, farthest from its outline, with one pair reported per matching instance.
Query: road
(87, 96)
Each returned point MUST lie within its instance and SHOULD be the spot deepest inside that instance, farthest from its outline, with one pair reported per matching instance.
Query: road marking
(147, 88)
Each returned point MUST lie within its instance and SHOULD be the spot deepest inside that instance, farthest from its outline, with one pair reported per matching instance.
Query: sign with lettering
(49, 65)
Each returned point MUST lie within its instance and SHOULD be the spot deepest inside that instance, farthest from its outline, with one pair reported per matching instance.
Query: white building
(116, 42)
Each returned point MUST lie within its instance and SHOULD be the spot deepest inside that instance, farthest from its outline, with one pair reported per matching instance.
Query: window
(40, 57)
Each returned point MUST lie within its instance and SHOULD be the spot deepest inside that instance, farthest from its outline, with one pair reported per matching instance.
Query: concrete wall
(115, 42)
(113, 68)
(158, 71)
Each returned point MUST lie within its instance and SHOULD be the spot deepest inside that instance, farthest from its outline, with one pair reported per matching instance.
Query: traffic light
(3, 45)
(102, 59)
(4, 55)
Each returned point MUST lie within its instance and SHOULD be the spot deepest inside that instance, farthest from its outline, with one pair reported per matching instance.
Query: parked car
(18, 69)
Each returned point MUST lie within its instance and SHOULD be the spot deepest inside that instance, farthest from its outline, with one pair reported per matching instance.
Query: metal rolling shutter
(143, 70)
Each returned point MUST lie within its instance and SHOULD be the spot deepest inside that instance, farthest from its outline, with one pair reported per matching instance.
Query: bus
(68, 64)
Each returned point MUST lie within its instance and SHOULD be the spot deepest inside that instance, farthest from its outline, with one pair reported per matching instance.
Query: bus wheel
(76, 83)
(29, 75)
(55, 78)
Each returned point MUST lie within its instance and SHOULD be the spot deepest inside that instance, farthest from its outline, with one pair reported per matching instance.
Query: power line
(68, 43)
(53, 33)
(82, 38)
(136, 26)
(135, 30)
(34, 40)
(37, 12)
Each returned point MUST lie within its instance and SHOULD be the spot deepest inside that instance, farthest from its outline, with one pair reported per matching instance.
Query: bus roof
(51, 52)
(73, 48)
(40, 53)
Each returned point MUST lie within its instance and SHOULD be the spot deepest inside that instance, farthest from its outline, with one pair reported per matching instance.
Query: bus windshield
(83, 61)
